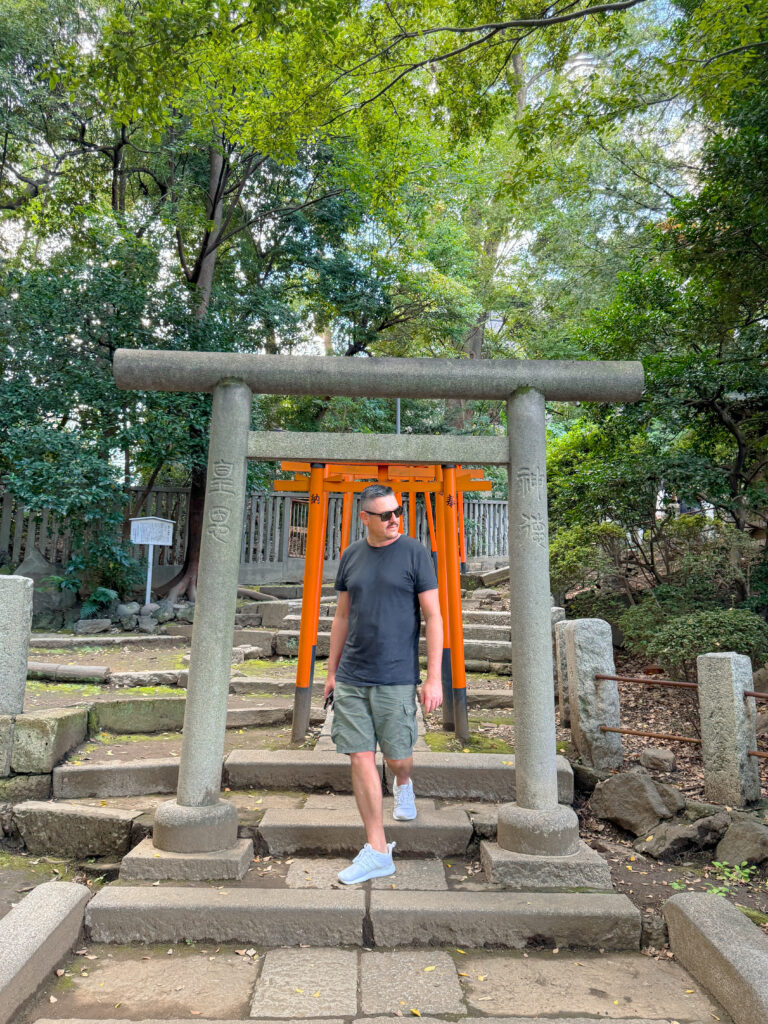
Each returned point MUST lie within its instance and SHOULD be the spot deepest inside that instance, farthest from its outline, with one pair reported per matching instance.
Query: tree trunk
(185, 582)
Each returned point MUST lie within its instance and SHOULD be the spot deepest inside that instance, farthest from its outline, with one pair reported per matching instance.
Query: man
(384, 582)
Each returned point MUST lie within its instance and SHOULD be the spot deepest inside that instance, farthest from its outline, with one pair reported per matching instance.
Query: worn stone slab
(240, 718)
(584, 869)
(34, 936)
(487, 777)
(42, 738)
(118, 778)
(601, 986)
(465, 1020)
(723, 950)
(138, 714)
(16, 599)
(436, 833)
(306, 982)
(171, 677)
(67, 830)
(145, 982)
(146, 862)
(592, 702)
(515, 920)
(400, 981)
(322, 872)
(267, 917)
(19, 788)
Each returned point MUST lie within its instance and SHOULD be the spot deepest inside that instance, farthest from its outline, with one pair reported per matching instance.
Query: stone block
(42, 738)
(561, 675)
(16, 597)
(274, 612)
(322, 872)
(728, 721)
(630, 800)
(35, 936)
(437, 833)
(584, 869)
(171, 677)
(118, 778)
(149, 863)
(723, 950)
(593, 702)
(6, 744)
(184, 612)
(69, 830)
(19, 788)
(409, 978)
(88, 627)
(147, 624)
(137, 715)
(262, 917)
(745, 840)
(658, 759)
(300, 983)
(129, 608)
(510, 919)
(128, 622)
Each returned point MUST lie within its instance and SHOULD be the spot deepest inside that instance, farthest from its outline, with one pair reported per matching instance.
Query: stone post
(561, 671)
(728, 719)
(535, 823)
(198, 821)
(16, 594)
(592, 702)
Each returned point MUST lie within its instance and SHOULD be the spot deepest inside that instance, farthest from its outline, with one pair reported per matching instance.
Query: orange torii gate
(448, 483)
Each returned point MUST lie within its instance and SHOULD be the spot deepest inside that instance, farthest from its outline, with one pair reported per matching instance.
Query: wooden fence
(274, 532)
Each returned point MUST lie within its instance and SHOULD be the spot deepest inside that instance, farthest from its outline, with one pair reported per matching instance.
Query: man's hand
(330, 684)
(431, 694)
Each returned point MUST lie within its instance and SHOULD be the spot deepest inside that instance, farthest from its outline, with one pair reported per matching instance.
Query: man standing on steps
(384, 582)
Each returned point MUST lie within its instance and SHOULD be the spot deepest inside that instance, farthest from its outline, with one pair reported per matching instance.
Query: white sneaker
(369, 863)
(405, 805)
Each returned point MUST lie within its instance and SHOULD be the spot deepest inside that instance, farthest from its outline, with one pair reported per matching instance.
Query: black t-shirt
(382, 645)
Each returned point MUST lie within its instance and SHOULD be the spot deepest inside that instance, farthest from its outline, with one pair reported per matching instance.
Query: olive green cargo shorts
(365, 715)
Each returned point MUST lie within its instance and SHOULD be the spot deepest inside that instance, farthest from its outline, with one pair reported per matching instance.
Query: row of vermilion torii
(198, 820)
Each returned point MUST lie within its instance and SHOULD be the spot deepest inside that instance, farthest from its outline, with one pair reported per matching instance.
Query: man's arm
(339, 630)
(432, 690)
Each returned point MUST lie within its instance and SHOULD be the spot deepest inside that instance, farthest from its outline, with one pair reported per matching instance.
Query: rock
(49, 620)
(158, 678)
(674, 842)
(74, 831)
(658, 759)
(671, 795)
(695, 809)
(761, 725)
(148, 609)
(759, 678)
(42, 738)
(746, 840)
(165, 612)
(585, 778)
(237, 656)
(129, 608)
(184, 612)
(128, 622)
(249, 651)
(630, 800)
(654, 931)
(25, 787)
(88, 626)
(147, 624)
(484, 594)
(47, 596)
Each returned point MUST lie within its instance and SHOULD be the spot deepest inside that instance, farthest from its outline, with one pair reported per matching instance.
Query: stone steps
(331, 826)
(286, 645)
(472, 630)
(354, 917)
(486, 777)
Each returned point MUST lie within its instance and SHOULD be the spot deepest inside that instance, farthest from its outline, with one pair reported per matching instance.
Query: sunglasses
(386, 516)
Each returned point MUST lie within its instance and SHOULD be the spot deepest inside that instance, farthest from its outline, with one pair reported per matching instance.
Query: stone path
(219, 982)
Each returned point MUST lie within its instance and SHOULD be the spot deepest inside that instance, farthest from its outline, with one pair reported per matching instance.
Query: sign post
(151, 530)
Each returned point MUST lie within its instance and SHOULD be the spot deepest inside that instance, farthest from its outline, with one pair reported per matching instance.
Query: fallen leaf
(416, 1013)
(53, 999)
(463, 974)
(429, 968)
(316, 994)
(398, 1013)
(301, 990)
(461, 951)
(482, 977)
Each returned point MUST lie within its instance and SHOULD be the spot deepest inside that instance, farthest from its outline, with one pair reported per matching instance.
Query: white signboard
(152, 530)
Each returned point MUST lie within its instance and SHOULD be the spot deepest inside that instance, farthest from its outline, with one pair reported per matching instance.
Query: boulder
(147, 624)
(672, 841)
(165, 612)
(761, 725)
(47, 596)
(746, 840)
(149, 609)
(630, 800)
(184, 612)
(484, 594)
(128, 622)
(128, 608)
(658, 759)
(88, 626)
(50, 621)
(672, 797)
(759, 678)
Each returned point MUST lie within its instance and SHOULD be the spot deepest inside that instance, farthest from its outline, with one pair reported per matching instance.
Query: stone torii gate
(199, 822)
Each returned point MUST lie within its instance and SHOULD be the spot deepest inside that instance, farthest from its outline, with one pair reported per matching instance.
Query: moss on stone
(446, 743)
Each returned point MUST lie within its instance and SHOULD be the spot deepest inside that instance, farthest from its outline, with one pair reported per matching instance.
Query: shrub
(678, 644)
(642, 621)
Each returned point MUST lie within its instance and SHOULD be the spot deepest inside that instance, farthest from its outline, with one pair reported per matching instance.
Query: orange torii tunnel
(448, 483)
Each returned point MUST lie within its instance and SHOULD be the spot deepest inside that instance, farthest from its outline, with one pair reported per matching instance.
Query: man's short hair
(372, 492)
